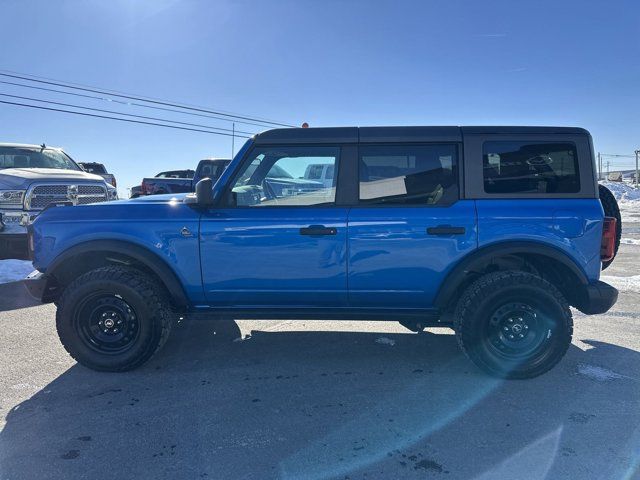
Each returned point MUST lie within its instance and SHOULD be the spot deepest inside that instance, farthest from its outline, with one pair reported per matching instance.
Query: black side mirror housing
(204, 194)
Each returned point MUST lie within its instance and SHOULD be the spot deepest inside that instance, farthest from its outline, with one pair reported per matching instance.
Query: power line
(119, 119)
(111, 100)
(111, 91)
(132, 97)
(124, 114)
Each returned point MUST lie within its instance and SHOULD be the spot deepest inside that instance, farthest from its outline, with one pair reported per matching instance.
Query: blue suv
(492, 231)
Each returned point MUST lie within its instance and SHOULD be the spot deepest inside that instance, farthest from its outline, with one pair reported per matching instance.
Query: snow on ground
(628, 200)
(624, 284)
(630, 241)
(12, 270)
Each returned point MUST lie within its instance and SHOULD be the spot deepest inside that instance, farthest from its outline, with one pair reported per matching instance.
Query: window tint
(286, 176)
(408, 174)
(530, 167)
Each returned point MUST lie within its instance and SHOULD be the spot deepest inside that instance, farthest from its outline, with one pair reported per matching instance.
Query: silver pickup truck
(34, 177)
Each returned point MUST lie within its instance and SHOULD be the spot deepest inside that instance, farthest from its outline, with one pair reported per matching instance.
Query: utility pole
(608, 162)
(637, 152)
(233, 139)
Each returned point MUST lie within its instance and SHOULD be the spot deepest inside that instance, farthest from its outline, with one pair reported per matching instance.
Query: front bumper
(599, 297)
(13, 234)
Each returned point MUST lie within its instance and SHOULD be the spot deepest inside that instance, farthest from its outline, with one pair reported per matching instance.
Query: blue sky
(325, 62)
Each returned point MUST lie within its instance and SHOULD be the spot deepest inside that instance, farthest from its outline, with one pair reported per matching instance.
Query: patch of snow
(626, 284)
(628, 199)
(13, 270)
(385, 341)
(630, 241)
(622, 191)
(598, 373)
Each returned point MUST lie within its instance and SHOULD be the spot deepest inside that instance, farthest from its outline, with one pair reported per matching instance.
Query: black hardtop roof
(397, 134)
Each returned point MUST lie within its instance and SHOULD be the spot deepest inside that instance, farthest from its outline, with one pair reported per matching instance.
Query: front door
(409, 228)
(279, 240)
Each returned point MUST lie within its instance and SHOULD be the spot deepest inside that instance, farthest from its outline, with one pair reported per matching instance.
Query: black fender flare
(484, 255)
(151, 260)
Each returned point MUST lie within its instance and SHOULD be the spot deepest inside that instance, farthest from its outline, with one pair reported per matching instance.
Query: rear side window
(408, 174)
(530, 167)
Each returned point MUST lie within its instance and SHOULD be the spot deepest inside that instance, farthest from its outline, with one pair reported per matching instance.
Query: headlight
(112, 193)
(11, 198)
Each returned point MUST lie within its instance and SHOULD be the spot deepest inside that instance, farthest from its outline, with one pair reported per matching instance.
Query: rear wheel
(513, 324)
(113, 318)
(611, 209)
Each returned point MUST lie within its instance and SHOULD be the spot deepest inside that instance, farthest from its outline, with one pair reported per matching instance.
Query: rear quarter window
(530, 167)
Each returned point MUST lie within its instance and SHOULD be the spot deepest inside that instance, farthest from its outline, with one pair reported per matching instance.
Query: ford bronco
(492, 231)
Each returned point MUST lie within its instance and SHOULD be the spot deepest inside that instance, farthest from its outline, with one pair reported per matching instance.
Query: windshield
(15, 157)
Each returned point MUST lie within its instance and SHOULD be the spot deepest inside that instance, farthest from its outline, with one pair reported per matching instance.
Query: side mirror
(204, 194)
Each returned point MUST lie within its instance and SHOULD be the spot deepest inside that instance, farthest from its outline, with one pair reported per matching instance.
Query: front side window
(530, 167)
(408, 174)
(286, 176)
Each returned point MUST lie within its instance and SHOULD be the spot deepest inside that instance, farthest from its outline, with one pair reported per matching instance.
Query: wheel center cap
(516, 328)
(109, 323)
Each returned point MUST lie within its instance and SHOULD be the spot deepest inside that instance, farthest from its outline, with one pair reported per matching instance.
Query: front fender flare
(151, 260)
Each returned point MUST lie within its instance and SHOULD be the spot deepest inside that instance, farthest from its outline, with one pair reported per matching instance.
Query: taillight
(608, 244)
(113, 182)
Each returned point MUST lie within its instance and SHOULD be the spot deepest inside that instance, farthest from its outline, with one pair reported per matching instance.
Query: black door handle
(318, 230)
(446, 230)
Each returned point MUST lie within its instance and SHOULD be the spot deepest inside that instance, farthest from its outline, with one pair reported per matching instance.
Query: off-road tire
(611, 209)
(475, 318)
(147, 298)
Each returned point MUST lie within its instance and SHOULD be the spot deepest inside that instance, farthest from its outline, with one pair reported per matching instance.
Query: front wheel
(113, 318)
(513, 324)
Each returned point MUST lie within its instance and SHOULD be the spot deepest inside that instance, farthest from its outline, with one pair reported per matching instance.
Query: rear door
(409, 226)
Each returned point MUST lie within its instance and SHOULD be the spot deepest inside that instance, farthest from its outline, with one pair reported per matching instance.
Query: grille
(41, 196)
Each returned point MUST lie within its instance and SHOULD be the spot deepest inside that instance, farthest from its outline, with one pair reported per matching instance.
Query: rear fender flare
(483, 256)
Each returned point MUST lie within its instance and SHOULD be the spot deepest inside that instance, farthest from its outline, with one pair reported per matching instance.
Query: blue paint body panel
(394, 262)
(573, 226)
(257, 256)
(153, 223)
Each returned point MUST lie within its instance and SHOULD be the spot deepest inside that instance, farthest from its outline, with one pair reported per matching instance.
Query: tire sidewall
(553, 345)
(149, 328)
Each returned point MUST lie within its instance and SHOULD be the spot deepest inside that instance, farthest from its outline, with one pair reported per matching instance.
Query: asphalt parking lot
(319, 400)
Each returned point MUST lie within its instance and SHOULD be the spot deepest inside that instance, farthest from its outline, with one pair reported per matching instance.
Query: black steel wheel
(113, 318)
(106, 323)
(516, 330)
(513, 324)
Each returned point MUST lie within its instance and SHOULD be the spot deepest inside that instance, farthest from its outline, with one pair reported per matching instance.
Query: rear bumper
(599, 297)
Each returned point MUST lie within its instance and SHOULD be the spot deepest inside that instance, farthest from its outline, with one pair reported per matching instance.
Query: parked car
(492, 231)
(99, 169)
(32, 178)
(173, 181)
(180, 181)
(135, 191)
